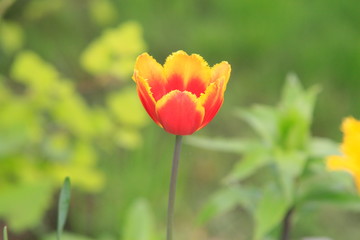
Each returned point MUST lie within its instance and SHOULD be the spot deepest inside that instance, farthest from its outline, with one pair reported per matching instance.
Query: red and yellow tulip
(350, 161)
(185, 94)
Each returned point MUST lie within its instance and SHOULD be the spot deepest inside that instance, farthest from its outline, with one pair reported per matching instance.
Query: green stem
(172, 191)
(5, 233)
(286, 228)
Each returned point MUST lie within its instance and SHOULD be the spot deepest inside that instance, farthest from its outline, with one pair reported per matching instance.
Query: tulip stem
(172, 191)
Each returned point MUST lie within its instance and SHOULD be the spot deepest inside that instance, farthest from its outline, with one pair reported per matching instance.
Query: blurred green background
(68, 106)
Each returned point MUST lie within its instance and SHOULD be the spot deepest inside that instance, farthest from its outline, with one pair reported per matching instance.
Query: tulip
(185, 94)
(182, 97)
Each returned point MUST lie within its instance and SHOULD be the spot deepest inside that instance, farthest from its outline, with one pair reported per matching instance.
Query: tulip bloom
(185, 94)
(350, 161)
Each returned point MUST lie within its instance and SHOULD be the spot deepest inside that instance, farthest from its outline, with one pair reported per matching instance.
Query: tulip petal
(146, 98)
(211, 100)
(180, 112)
(150, 70)
(213, 97)
(186, 73)
(221, 70)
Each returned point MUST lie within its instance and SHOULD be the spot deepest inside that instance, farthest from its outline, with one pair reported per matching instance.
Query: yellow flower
(350, 161)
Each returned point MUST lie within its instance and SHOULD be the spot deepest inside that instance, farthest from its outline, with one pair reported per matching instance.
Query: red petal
(146, 97)
(150, 70)
(186, 73)
(211, 100)
(213, 97)
(180, 113)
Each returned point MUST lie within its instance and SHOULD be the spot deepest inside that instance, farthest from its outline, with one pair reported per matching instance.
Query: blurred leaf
(5, 233)
(126, 107)
(39, 76)
(290, 165)
(342, 199)
(102, 11)
(225, 200)
(323, 147)
(252, 161)
(102, 122)
(139, 223)
(263, 120)
(71, 110)
(63, 207)
(295, 112)
(23, 206)
(338, 186)
(38, 9)
(295, 97)
(269, 212)
(14, 131)
(81, 168)
(221, 144)
(127, 138)
(67, 236)
(115, 51)
(11, 36)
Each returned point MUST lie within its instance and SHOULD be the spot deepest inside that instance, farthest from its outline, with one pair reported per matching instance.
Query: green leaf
(269, 212)
(263, 120)
(252, 161)
(336, 188)
(295, 99)
(323, 147)
(63, 206)
(139, 224)
(292, 90)
(342, 199)
(291, 162)
(5, 233)
(226, 199)
(221, 144)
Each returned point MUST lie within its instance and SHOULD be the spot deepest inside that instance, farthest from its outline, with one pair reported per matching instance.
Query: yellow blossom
(350, 160)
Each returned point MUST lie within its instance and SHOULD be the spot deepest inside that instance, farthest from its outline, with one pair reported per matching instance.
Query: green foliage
(11, 36)
(48, 129)
(224, 200)
(15, 200)
(103, 12)
(115, 51)
(139, 223)
(261, 39)
(289, 160)
(270, 211)
(38, 9)
(63, 206)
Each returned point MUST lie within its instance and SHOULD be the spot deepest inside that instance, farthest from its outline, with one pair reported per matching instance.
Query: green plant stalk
(172, 190)
(5, 233)
(286, 226)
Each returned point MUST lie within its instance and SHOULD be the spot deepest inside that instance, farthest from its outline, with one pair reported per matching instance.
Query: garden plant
(167, 144)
